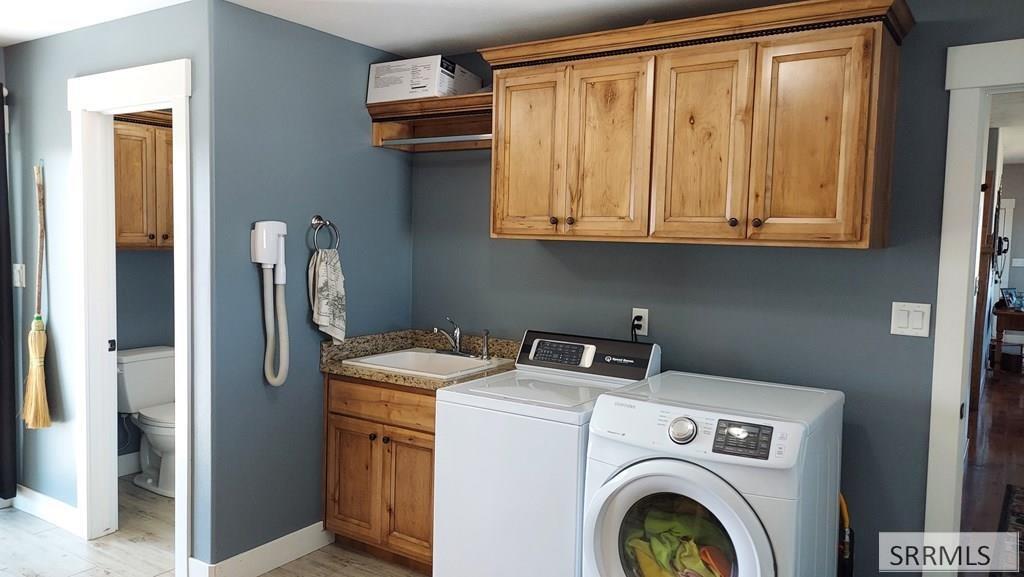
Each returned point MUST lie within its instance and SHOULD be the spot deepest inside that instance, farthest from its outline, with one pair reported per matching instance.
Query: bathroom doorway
(144, 246)
(97, 105)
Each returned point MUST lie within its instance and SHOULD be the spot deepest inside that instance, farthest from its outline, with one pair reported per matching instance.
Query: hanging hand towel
(327, 293)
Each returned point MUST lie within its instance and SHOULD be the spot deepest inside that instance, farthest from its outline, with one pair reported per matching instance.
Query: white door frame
(973, 74)
(92, 100)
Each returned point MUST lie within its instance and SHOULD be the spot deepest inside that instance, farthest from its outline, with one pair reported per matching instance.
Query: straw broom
(36, 410)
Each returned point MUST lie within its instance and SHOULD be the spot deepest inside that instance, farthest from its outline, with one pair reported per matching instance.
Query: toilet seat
(158, 416)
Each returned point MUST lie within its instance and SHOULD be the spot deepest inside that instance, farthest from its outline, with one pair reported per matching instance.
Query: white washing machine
(510, 452)
(708, 476)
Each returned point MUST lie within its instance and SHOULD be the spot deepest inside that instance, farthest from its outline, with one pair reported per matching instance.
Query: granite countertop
(332, 356)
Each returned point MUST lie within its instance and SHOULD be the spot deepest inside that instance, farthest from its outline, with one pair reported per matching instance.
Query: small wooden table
(1006, 320)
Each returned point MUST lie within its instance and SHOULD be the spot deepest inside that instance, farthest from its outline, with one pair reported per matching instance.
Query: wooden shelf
(463, 116)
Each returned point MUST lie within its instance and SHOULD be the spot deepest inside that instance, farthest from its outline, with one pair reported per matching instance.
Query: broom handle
(41, 204)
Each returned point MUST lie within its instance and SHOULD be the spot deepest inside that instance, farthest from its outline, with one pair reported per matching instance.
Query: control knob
(682, 431)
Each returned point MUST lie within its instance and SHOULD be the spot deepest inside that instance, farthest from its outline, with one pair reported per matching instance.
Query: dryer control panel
(719, 436)
(743, 439)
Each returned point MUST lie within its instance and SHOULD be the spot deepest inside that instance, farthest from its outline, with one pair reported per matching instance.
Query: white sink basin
(425, 363)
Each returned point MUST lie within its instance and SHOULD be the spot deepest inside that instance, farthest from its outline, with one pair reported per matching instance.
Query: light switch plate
(18, 275)
(911, 319)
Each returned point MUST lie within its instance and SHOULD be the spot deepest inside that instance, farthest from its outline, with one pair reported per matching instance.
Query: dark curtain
(8, 394)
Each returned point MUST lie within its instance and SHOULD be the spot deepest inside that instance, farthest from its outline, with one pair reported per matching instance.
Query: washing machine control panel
(743, 439)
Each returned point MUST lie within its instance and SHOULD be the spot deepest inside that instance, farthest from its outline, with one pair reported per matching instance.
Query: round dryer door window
(670, 518)
(674, 534)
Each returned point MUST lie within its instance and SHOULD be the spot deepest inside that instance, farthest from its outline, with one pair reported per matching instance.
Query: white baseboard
(266, 557)
(128, 464)
(49, 509)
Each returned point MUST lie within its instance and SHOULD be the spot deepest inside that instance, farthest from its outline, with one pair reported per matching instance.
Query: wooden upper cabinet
(164, 187)
(529, 150)
(811, 126)
(702, 123)
(409, 492)
(609, 147)
(354, 477)
(782, 139)
(143, 186)
(134, 184)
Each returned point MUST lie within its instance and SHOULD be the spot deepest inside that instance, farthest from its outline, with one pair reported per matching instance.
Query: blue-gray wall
(809, 317)
(37, 73)
(145, 298)
(291, 139)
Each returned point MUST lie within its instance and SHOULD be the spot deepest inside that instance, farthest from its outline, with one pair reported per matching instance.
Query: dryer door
(666, 517)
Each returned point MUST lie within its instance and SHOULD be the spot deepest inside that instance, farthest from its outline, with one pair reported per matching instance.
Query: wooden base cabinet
(379, 470)
(784, 139)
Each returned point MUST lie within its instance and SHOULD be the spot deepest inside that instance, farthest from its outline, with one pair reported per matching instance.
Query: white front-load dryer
(700, 476)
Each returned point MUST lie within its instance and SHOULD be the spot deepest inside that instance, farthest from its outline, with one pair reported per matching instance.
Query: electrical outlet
(18, 275)
(644, 321)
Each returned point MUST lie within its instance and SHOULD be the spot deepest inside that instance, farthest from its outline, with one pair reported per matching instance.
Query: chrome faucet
(454, 338)
(486, 353)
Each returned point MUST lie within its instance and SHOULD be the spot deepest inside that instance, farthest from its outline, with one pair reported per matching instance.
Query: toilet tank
(145, 378)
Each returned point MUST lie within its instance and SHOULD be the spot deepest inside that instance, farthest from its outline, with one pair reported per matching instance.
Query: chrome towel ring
(318, 223)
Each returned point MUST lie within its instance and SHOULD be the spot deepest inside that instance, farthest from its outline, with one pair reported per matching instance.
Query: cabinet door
(702, 142)
(409, 492)
(609, 146)
(134, 185)
(354, 478)
(529, 150)
(811, 122)
(164, 187)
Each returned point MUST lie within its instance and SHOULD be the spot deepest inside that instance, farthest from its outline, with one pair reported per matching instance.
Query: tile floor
(143, 547)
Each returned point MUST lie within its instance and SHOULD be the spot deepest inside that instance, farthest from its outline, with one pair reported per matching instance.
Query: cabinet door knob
(386, 440)
(165, 236)
(734, 221)
(570, 221)
(553, 220)
(373, 436)
(152, 237)
(757, 222)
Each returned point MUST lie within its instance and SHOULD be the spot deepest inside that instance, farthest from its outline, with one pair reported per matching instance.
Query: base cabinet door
(409, 492)
(354, 478)
(609, 144)
(529, 151)
(135, 185)
(811, 122)
(702, 142)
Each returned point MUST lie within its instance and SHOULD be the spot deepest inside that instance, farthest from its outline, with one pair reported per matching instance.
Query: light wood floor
(143, 547)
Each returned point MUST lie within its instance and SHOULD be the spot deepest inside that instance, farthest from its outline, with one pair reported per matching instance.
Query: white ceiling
(22, 20)
(1008, 114)
(422, 27)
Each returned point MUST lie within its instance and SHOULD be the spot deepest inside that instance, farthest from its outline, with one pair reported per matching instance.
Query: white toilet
(145, 388)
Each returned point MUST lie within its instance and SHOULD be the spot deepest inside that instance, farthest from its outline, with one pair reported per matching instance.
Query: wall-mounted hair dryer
(267, 239)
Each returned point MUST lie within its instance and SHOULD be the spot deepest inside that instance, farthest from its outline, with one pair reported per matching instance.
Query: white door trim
(92, 100)
(973, 74)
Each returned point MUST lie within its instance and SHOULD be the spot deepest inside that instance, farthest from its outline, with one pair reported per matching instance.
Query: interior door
(409, 492)
(354, 478)
(529, 150)
(702, 142)
(610, 108)
(621, 536)
(811, 118)
(134, 184)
